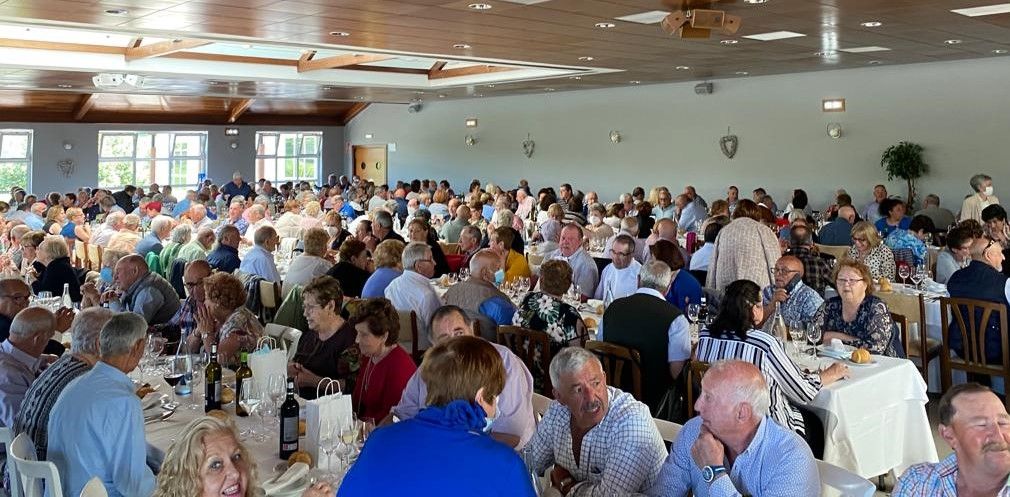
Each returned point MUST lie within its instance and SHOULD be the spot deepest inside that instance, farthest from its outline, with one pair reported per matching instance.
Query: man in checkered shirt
(600, 440)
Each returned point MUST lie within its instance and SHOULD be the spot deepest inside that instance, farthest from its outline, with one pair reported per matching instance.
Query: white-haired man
(113, 223)
(161, 227)
(260, 259)
(584, 271)
(732, 447)
(20, 358)
(236, 187)
(411, 291)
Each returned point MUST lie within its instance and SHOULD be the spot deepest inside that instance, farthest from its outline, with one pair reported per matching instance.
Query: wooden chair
(81, 255)
(614, 357)
(408, 334)
(922, 348)
(902, 323)
(525, 343)
(31, 470)
(94, 257)
(695, 372)
(449, 248)
(839, 251)
(973, 334)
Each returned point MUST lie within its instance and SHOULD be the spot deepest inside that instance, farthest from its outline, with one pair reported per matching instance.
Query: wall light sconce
(833, 105)
(834, 130)
(615, 136)
(233, 144)
(68, 145)
(471, 122)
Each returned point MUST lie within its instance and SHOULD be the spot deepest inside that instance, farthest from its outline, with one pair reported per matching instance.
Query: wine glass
(692, 312)
(195, 381)
(813, 333)
(904, 272)
(367, 427)
(917, 276)
(176, 371)
(329, 443)
(796, 335)
(252, 397)
(349, 438)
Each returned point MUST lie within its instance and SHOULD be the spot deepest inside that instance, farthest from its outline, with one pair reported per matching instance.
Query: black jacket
(58, 272)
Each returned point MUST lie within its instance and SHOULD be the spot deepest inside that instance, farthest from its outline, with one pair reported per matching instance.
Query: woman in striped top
(733, 335)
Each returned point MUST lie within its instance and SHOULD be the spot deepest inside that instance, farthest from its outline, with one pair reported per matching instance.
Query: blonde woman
(77, 226)
(868, 248)
(311, 216)
(207, 459)
(55, 218)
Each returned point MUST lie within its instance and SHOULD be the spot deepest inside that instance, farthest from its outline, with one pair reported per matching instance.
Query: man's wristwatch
(710, 473)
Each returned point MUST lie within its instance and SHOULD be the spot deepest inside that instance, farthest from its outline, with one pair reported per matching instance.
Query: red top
(380, 385)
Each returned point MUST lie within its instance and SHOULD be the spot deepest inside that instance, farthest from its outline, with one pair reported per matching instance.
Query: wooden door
(370, 163)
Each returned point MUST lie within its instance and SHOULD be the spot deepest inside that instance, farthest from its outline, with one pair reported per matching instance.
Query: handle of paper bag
(328, 390)
(262, 340)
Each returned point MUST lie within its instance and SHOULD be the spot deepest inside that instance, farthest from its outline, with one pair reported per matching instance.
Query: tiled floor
(942, 449)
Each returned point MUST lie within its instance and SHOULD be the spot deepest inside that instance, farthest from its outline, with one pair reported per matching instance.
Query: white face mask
(595, 220)
(988, 190)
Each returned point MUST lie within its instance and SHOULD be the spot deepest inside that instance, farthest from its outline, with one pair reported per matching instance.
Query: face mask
(988, 190)
(499, 277)
(489, 420)
(595, 220)
(106, 274)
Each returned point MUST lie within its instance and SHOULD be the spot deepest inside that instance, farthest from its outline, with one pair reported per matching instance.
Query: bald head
(666, 229)
(740, 388)
(484, 264)
(989, 252)
(192, 278)
(206, 237)
(31, 328)
(129, 270)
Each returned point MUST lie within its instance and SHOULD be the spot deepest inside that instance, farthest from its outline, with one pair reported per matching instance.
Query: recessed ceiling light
(441, 95)
(576, 77)
(824, 54)
(460, 46)
(875, 62)
(359, 97)
(548, 89)
(952, 42)
(117, 12)
(729, 42)
(605, 25)
(865, 49)
(683, 68)
(65, 86)
(479, 6)
(635, 82)
(490, 86)
(774, 35)
(339, 33)
(650, 17)
(755, 1)
(985, 10)
(999, 51)
(585, 58)
(871, 24)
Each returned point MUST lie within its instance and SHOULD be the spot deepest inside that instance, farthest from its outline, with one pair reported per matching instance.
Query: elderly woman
(311, 215)
(30, 266)
(856, 316)
(54, 254)
(290, 222)
(311, 263)
(354, 268)
(735, 335)
(207, 459)
(128, 237)
(179, 236)
(93, 289)
(596, 230)
(745, 250)
(615, 212)
(77, 227)
(996, 227)
(225, 320)
(956, 255)
(386, 367)
(438, 206)
(909, 246)
(477, 215)
(869, 249)
(464, 377)
(892, 212)
(684, 288)
(514, 264)
(550, 230)
(15, 253)
(55, 218)
(329, 349)
(388, 265)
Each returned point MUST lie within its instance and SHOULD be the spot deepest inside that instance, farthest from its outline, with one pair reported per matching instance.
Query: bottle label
(289, 433)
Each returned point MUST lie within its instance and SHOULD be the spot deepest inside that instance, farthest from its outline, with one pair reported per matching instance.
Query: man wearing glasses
(14, 296)
(185, 317)
(981, 280)
(797, 301)
(620, 277)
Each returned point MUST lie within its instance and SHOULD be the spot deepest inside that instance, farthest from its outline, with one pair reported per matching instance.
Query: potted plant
(904, 161)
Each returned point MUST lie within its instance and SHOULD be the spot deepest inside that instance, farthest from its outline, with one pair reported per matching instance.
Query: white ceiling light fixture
(341, 34)
(576, 77)
(117, 12)
(875, 62)
(952, 42)
(729, 42)
(650, 17)
(64, 85)
(833, 105)
(985, 10)
(479, 6)
(755, 2)
(871, 24)
(605, 25)
(999, 51)
(526, 2)
(461, 46)
(586, 58)
(635, 82)
(741, 73)
(774, 35)
(864, 49)
(683, 68)
(115, 80)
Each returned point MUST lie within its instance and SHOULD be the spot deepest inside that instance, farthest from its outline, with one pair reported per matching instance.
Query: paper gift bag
(267, 361)
(328, 411)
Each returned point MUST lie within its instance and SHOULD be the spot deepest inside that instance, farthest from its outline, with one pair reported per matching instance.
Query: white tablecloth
(875, 421)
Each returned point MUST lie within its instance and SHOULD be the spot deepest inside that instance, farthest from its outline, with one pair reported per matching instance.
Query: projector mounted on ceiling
(695, 19)
(107, 80)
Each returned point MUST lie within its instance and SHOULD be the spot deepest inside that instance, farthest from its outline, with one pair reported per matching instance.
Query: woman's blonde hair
(315, 241)
(180, 473)
(388, 253)
(74, 212)
(866, 230)
(312, 208)
(54, 212)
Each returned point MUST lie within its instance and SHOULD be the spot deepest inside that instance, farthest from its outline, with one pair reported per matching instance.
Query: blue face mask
(106, 274)
(499, 277)
(489, 420)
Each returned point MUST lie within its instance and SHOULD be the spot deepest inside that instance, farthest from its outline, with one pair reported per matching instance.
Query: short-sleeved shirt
(336, 357)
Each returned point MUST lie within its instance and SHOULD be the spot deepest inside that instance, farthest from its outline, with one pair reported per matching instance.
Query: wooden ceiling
(556, 32)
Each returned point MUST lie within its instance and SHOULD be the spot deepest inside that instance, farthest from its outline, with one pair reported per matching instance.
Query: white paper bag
(329, 411)
(267, 361)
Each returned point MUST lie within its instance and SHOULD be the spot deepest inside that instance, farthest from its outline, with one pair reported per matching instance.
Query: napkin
(834, 353)
(293, 475)
(151, 401)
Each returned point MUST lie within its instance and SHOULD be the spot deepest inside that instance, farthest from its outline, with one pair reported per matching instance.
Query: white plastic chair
(836, 481)
(667, 429)
(290, 336)
(540, 405)
(6, 437)
(288, 245)
(94, 488)
(30, 470)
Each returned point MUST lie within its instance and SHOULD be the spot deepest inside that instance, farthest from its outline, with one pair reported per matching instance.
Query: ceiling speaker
(673, 22)
(731, 24)
(704, 88)
(707, 19)
(415, 107)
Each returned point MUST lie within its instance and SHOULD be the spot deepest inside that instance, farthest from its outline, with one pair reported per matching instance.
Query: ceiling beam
(162, 48)
(239, 108)
(467, 71)
(306, 64)
(353, 112)
(66, 47)
(436, 67)
(84, 105)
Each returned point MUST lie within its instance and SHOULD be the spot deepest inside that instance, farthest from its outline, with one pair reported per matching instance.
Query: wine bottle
(703, 311)
(212, 375)
(241, 374)
(780, 331)
(289, 423)
(67, 302)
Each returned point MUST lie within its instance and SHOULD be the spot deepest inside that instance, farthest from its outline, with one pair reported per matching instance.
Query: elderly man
(629, 226)
(379, 198)
(236, 187)
(382, 227)
(702, 257)
(345, 209)
(96, 427)
(942, 218)
(797, 301)
(690, 213)
(524, 204)
(128, 237)
(816, 270)
(665, 209)
(198, 247)
(20, 358)
(975, 423)
(600, 440)
(514, 425)
(666, 229)
(113, 223)
(733, 447)
(14, 297)
(161, 227)
(411, 291)
(620, 278)
(257, 219)
(871, 211)
(469, 243)
(33, 416)
(235, 218)
(971, 208)
(981, 280)
(198, 216)
(692, 195)
(225, 257)
(139, 290)
(584, 272)
(478, 296)
(839, 231)
(260, 259)
(451, 230)
(192, 280)
(646, 322)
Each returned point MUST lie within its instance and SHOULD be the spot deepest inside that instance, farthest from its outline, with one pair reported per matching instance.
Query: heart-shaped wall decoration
(528, 145)
(729, 144)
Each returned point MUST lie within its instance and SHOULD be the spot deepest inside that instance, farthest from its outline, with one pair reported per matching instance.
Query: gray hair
(797, 214)
(263, 234)
(32, 321)
(131, 221)
(473, 232)
(414, 252)
(160, 222)
(625, 239)
(114, 217)
(384, 219)
(624, 197)
(258, 209)
(655, 275)
(977, 180)
(630, 224)
(752, 391)
(18, 231)
(505, 217)
(54, 247)
(181, 233)
(121, 334)
(932, 199)
(568, 360)
(85, 330)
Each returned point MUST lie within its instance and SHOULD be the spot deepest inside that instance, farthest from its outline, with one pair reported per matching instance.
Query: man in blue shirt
(225, 257)
(96, 427)
(733, 447)
(690, 213)
(260, 259)
(236, 187)
(161, 227)
(839, 231)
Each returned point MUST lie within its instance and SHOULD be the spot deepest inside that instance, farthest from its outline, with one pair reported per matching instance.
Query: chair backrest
(94, 488)
(695, 372)
(270, 298)
(288, 335)
(902, 323)
(972, 317)
(6, 437)
(614, 359)
(843, 483)
(30, 470)
(449, 248)
(408, 333)
(540, 405)
(532, 347)
(94, 256)
(288, 245)
(667, 429)
(81, 255)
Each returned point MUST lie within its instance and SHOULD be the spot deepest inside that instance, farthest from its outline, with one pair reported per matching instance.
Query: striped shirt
(786, 382)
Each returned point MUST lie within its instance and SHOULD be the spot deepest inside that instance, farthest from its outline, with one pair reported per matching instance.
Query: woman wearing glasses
(869, 249)
(856, 316)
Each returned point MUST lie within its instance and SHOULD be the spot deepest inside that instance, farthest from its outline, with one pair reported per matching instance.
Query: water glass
(814, 334)
(252, 397)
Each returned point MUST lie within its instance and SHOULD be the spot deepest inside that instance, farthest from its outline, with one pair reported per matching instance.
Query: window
(140, 158)
(15, 160)
(289, 156)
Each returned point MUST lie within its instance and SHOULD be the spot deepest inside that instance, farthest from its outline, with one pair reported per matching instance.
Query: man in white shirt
(260, 259)
(257, 215)
(703, 256)
(620, 277)
(689, 212)
(113, 223)
(584, 272)
(198, 216)
(412, 291)
(379, 199)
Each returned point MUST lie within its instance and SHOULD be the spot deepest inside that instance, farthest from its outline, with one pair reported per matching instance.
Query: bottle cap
(244, 357)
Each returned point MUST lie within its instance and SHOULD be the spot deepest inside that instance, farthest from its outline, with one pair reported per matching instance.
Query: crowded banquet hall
(507, 247)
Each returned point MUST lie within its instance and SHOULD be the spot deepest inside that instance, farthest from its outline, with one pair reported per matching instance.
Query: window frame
(170, 158)
(278, 157)
(5, 194)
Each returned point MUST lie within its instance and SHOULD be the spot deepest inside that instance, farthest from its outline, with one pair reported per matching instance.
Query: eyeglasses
(848, 282)
(783, 270)
(858, 239)
(990, 244)
(625, 254)
(192, 284)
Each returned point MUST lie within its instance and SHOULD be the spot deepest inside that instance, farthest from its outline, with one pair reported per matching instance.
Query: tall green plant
(904, 161)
